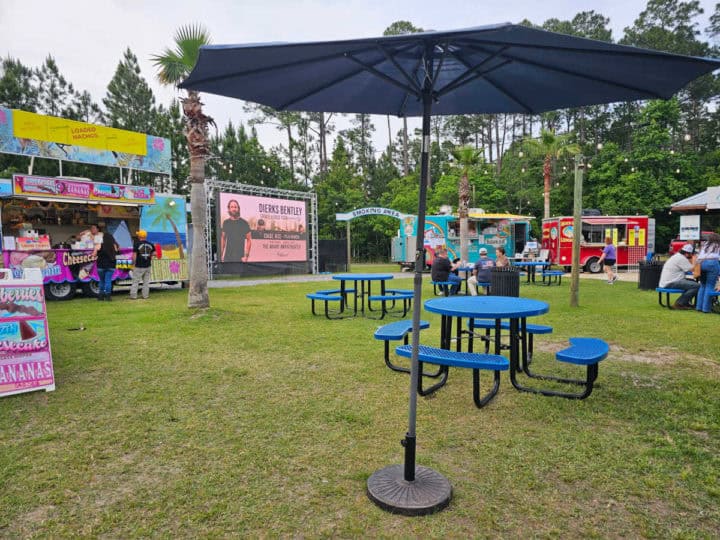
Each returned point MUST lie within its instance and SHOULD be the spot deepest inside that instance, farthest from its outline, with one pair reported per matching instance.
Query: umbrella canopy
(503, 68)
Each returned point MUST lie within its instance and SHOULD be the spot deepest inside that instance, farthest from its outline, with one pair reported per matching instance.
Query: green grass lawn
(257, 419)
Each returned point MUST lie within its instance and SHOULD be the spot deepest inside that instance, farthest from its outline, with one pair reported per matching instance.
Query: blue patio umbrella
(504, 68)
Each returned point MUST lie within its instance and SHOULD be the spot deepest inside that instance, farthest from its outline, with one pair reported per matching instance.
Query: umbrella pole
(413, 490)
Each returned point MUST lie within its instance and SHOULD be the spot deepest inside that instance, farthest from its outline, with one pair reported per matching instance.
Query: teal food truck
(485, 230)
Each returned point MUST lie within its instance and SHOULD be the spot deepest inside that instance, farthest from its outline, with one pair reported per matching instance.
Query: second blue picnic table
(530, 267)
(362, 288)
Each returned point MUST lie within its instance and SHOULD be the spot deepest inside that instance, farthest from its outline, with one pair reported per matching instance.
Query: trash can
(505, 281)
(649, 277)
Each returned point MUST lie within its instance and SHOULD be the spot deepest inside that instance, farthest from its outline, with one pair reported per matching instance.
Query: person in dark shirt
(235, 237)
(442, 270)
(143, 252)
(106, 261)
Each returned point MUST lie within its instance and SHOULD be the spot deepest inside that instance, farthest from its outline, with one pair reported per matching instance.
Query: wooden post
(577, 231)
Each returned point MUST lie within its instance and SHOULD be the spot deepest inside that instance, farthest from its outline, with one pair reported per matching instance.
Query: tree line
(642, 156)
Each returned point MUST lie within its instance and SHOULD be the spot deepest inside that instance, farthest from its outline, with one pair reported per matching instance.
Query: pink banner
(60, 188)
(261, 229)
(25, 357)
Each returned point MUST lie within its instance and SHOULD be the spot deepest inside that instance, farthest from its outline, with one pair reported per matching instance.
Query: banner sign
(690, 227)
(62, 265)
(372, 211)
(261, 229)
(31, 134)
(59, 188)
(713, 198)
(25, 357)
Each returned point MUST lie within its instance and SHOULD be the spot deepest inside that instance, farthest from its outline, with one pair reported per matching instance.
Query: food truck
(633, 237)
(45, 222)
(485, 230)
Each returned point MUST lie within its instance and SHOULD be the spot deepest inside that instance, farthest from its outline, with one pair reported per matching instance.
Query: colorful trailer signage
(30, 134)
(60, 188)
(25, 357)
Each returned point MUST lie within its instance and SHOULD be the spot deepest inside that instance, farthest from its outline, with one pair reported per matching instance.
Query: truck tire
(91, 289)
(60, 291)
(593, 266)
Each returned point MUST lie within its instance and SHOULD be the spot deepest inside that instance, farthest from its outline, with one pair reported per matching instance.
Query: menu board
(25, 357)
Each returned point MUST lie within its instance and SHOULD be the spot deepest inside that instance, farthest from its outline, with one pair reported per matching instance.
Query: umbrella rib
(505, 92)
(440, 64)
(574, 73)
(382, 75)
(323, 87)
(402, 71)
(401, 111)
(459, 80)
(644, 53)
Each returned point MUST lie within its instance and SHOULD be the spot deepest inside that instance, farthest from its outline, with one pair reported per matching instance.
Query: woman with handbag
(709, 259)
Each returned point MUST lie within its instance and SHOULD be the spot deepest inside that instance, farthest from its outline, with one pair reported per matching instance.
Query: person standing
(235, 237)
(608, 258)
(481, 271)
(709, 259)
(442, 270)
(673, 276)
(106, 261)
(143, 252)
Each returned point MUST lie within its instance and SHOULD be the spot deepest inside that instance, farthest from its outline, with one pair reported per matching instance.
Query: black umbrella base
(429, 492)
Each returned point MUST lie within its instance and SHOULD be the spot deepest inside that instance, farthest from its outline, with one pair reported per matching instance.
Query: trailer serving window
(594, 232)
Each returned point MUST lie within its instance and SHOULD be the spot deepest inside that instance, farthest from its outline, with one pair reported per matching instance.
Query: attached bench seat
(667, 291)
(397, 331)
(583, 351)
(447, 359)
(390, 297)
(326, 298)
(553, 276)
(335, 291)
(527, 343)
(445, 287)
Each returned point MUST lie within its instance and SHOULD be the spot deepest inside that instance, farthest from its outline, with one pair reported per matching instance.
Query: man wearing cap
(674, 276)
(481, 271)
(143, 252)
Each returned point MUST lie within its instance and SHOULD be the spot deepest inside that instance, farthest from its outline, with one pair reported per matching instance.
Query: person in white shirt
(674, 276)
(91, 236)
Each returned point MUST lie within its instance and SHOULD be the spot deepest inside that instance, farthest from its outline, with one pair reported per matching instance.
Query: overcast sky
(88, 37)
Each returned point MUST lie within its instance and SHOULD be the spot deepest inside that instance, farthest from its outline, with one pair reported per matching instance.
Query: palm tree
(168, 212)
(467, 158)
(174, 65)
(551, 147)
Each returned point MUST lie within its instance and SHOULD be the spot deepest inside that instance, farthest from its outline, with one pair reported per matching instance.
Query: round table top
(487, 307)
(362, 277)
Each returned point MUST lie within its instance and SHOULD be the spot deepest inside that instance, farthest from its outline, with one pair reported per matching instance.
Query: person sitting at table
(481, 271)
(442, 270)
(501, 259)
(673, 276)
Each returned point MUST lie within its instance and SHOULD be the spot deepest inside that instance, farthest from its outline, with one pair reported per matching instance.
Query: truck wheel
(91, 289)
(60, 291)
(593, 266)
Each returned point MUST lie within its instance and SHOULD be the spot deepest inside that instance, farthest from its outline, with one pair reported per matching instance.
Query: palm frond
(175, 65)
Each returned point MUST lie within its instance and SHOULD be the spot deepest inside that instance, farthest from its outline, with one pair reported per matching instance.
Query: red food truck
(633, 236)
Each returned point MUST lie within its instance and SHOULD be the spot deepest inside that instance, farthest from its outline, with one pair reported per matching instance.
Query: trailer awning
(608, 221)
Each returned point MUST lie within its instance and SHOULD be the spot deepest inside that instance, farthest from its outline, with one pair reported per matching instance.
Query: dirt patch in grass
(660, 357)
